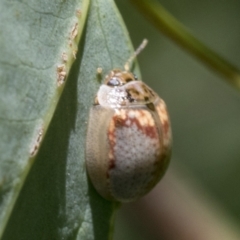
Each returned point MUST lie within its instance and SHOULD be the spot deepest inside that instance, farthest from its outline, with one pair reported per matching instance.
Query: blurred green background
(204, 109)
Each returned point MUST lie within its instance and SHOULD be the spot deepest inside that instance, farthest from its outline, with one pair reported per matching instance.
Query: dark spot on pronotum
(129, 97)
(145, 89)
(151, 92)
(129, 80)
(146, 98)
(134, 91)
(151, 106)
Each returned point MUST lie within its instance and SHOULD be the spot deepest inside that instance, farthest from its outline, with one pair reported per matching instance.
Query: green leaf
(56, 201)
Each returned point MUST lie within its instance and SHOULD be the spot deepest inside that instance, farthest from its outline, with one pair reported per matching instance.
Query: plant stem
(167, 24)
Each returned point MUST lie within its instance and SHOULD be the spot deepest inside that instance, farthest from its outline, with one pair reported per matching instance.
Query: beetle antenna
(139, 49)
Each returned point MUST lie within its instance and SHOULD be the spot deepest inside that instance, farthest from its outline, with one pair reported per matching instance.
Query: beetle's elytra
(128, 139)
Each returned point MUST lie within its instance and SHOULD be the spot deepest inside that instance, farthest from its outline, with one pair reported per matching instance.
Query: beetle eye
(113, 82)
